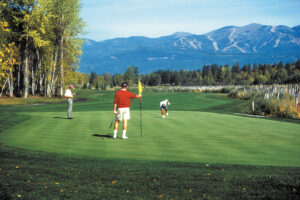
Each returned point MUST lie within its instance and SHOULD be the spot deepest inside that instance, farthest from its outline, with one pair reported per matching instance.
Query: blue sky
(107, 19)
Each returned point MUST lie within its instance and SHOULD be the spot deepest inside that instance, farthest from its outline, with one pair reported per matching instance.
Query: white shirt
(164, 102)
(68, 93)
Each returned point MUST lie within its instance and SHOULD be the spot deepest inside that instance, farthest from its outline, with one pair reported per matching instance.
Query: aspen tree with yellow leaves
(39, 46)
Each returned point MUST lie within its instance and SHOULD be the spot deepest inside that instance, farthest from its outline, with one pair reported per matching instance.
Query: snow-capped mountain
(254, 43)
(255, 38)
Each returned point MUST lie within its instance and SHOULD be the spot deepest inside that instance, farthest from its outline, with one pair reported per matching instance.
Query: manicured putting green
(199, 128)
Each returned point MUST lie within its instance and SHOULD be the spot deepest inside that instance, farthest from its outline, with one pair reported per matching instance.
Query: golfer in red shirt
(121, 108)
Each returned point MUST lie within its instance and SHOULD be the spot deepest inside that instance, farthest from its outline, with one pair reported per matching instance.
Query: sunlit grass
(30, 100)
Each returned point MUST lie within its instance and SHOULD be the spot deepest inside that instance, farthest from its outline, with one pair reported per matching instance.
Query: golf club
(112, 121)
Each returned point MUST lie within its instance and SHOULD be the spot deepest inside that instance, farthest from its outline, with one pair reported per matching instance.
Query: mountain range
(253, 43)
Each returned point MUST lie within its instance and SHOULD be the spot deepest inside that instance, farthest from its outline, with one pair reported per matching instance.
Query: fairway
(200, 128)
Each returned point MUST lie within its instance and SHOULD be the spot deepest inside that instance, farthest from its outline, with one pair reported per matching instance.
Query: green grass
(38, 175)
(247, 157)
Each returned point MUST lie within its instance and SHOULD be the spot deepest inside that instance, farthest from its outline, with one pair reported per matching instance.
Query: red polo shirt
(122, 98)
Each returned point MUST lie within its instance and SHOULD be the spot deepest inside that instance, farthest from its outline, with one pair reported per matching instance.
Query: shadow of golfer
(60, 117)
(102, 136)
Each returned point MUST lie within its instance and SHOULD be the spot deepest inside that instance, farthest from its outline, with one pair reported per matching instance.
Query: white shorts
(123, 114)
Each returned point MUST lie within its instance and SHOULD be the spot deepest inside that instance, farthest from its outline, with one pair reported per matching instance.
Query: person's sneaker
(167, 114)
(124, 137)
(115, 137)
(163, 116)
(70, 118)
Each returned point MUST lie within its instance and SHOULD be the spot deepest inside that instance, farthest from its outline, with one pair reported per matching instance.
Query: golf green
(199, 128)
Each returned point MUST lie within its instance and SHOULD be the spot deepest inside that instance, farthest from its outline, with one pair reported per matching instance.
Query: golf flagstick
(140, 92)
(141, 117)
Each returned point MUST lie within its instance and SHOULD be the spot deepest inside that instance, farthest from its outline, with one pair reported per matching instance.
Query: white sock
(124, 133)
(115, 133)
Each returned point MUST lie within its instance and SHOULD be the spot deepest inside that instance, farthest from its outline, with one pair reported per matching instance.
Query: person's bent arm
(115, 109)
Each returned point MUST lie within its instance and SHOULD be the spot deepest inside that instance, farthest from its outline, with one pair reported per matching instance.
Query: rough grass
(38, 175)
(30, 100)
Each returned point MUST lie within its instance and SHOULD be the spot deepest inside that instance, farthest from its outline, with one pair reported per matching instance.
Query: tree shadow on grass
(103, 136)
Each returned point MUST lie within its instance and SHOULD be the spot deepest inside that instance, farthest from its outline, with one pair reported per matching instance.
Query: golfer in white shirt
(69, 96)
(164, 108)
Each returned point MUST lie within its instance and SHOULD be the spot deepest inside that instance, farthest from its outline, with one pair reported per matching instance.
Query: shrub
(239, 94)
(232, 93)
(226, 89)
(273, 107)
(243, 95)
(287, 107)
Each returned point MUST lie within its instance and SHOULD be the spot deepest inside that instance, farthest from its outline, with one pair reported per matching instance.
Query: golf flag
(140, 87)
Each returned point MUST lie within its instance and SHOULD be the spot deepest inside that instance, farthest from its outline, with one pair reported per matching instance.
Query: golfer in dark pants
(69, 96)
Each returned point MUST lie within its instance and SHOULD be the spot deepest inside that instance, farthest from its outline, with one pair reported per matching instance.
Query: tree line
(39, 46)
(280, 73)
(229, 75)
